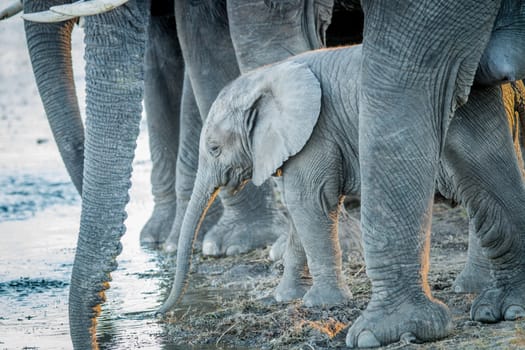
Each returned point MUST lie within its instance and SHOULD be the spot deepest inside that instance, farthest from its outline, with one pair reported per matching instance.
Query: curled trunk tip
(200, 203)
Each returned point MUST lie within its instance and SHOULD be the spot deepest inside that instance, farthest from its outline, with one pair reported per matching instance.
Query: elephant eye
(214, 150)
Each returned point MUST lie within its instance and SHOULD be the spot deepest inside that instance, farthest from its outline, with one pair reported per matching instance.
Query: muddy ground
(229, 303)
(250, 317)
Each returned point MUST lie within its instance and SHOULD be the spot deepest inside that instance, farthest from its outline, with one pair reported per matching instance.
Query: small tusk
(45, 17)
(88, 8)
(12, 9)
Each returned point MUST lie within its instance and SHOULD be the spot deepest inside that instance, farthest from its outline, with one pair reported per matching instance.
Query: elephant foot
(473, 279)
(239, 232)
(418, 319)
(158, 227)
(325, 295)
(498, 304)
(292, 288)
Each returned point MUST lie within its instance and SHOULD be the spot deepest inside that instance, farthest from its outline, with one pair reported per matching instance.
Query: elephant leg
(312, 199)
(413, 78)
(163, 76)
(475, 276)
(187, 163)
(250, 219)
(489, 183)
(349, 234)
(296, 279)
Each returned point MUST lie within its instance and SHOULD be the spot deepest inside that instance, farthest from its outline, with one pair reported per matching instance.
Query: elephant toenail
(485, 314)
(458, 289)
(170, 248)
(367, 339)
(514, 312)
(408, 338)
(234, 250)
(211, 249)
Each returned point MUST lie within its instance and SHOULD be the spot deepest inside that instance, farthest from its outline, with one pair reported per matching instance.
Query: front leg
(313, 201)
(476, 274)
(419, 60)
(186, 170)
(163, 76)
(296, 279)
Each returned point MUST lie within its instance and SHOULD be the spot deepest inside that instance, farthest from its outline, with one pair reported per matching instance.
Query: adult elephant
(419, 62)
(115, 46)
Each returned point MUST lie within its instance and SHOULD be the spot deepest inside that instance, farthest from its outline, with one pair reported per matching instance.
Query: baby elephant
(299, 119)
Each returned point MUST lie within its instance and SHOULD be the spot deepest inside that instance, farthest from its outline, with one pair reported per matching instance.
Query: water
(39, 220)
(36, 255)
(23, 195)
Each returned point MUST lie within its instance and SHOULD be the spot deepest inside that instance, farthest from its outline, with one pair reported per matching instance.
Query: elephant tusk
(88, 8)
(46, 17)
(12, 9)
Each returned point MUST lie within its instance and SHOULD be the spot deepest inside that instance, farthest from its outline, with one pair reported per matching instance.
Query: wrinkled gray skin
(114, 92)
(410, 88)
(251, 219)
(448, 57)
(502, 61)
(285, 28)
(301, 116)
(101, 165)
(164, 76)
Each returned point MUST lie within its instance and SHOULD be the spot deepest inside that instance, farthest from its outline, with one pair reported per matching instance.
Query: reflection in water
(36, 257)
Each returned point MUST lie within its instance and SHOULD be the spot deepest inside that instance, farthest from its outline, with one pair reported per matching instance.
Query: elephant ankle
(472, 279)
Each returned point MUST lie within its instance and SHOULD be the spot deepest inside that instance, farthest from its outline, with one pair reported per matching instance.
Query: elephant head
(114, 54)
(256, 123)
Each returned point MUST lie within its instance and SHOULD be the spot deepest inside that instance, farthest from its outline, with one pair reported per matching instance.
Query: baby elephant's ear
(283, 114)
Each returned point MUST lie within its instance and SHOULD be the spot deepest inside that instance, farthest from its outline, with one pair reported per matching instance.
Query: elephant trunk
(50, 52)
(115, 45)
(201, 199)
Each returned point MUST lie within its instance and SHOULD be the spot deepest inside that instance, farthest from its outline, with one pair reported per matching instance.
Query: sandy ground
(229, 303)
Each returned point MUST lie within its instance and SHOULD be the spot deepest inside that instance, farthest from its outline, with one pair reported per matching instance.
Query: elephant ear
(282, 116)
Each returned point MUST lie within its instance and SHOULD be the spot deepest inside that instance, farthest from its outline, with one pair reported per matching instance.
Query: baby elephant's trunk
(201, 200)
